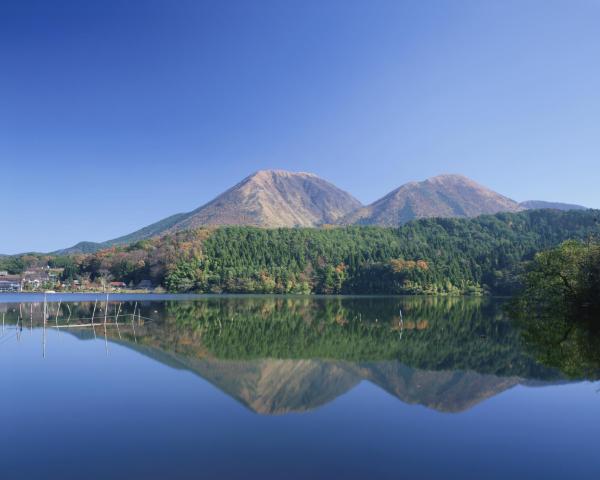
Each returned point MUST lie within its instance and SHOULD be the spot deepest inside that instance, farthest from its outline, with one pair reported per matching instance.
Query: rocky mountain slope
(280, 386)
(441, 196)
(274, 198)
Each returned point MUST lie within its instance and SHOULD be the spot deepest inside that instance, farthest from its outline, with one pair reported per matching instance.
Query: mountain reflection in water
(278, 355)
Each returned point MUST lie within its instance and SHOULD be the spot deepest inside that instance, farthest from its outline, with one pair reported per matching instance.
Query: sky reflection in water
(274, 387)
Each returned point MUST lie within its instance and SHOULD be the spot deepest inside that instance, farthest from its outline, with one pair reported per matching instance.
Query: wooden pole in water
(93, 312)
(105, 336)
(401, 324)
(3, 324)
(82, 325)
(44, 329)
(56, 318)
(117, 320)
(106, 308)
(133, 322)
(20, 316)
(31, 317)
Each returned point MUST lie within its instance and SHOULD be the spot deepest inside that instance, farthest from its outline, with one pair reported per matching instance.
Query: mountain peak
(448, 195)
(450, 177)
(270, 173)
(269, 176)
(274, 198)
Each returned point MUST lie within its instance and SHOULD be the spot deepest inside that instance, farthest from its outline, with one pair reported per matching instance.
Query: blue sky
(115, 114)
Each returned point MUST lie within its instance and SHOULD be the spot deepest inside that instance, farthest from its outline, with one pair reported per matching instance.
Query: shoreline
(91, 296)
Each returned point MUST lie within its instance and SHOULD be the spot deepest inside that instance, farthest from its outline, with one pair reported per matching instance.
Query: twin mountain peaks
(278, 198)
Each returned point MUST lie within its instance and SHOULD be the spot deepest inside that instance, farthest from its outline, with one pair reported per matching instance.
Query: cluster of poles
(101, 321)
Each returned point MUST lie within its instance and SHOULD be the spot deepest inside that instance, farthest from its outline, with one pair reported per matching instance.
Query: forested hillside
(431, 256)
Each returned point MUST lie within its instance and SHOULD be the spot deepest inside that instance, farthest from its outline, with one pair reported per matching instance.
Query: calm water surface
(284, 387)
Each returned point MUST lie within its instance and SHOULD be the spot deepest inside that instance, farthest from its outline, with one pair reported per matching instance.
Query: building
(10, 283)
(35, 278)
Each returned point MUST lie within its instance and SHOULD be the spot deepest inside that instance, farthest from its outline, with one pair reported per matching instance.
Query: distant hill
(441, 196)
(267, 198)
(81, 247)
(152, 230)
(540, 204)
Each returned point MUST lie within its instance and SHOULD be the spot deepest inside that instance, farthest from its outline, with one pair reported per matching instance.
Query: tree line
(427, 256)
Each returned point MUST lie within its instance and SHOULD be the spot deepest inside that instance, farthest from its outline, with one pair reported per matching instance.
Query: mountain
(274, 198)
(539, 204)
(267, 198)
(450, 391)
(278, 198)
(270, 386)
(281, 386)
(441, 196)
(275, 387)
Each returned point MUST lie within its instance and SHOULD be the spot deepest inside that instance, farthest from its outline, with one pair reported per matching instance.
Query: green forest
(435, 333)
(438, 333)
(487, 254)
(558, 308)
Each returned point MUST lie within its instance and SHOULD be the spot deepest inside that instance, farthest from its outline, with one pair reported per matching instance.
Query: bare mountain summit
(274, 198)
(441, 196)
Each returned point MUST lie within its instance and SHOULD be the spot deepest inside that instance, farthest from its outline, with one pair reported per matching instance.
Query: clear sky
(115, 114)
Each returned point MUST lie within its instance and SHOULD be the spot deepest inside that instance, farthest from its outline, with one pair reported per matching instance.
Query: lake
(284, 388)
